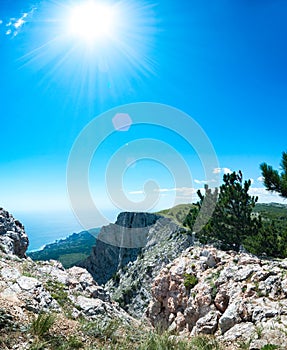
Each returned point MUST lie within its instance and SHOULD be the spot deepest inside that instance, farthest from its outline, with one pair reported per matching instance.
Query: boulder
(13, 239)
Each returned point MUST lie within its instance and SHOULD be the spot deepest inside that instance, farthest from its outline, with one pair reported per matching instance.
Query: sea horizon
(43, 228)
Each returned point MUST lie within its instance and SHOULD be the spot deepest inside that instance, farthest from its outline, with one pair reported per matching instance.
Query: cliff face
(118, 244)
(13, 239)
(131, 285)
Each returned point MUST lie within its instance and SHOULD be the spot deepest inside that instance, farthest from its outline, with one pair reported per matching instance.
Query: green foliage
(39, 345)
(138, 338)
(274, 181)
(42, 324)
(155, 341)
(269, 347)
(58, 292)
(232, 220)
(71, 343)
(177, 213)
(204, 343)
(69, 251)
(259, 331)
(104, 329)
(198, 217)
(190, 281)
(269, 241)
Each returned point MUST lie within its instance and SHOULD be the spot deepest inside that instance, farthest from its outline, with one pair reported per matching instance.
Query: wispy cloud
(182, 191)
(1, 22)
(137, 192)
(203, 182)
(14, 25)
(265, 196)
(221, 170)
(189, 194)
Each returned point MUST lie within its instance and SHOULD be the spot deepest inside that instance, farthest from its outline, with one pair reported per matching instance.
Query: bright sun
(92, 21)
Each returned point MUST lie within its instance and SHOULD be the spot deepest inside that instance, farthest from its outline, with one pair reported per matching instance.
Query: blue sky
(223, 63)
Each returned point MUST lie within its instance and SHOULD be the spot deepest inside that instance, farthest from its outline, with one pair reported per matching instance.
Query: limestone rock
(13, 239)
(131, 284)
(118, 244)
(233, 297)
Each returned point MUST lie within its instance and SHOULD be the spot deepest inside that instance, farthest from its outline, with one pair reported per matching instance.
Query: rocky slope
(29, 288)
(13, 239)
(235, 296)
(118, 244)
(131, 285)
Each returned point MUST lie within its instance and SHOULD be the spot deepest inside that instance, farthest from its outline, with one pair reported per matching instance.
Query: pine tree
(232, 220)
(274, 181)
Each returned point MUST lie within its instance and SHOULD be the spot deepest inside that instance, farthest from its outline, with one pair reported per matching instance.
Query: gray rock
(118, 244)
(207, 324)
(13, 239)
(10, 273)
(243, 331)
(131, 285)
(98, 292)
(229, 318)
(28, 283)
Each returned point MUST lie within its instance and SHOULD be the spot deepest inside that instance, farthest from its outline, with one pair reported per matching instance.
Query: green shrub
(203, 342)
(58, 292)
(190, 281)
(104, 329)
(42, 324)
(269, 347)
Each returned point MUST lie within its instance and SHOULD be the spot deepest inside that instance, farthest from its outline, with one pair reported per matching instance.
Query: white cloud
(216, 170)
(265, 196)
(260, 179)
(19, 23)
(203, 182)
(252, 181)
(221, 170)
(1, 22)
(199, 182)
(15, 24)
(183, 191)
(137, 192)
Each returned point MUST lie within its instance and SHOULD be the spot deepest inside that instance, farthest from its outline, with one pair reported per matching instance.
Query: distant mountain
(177, 213)
(69, 251)
(269, 212)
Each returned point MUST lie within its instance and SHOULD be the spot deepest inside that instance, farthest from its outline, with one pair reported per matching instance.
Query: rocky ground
(29, 289)
(131, 284)
(240, 299)
(199, 297)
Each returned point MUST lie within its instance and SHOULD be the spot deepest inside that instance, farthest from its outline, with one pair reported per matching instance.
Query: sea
(47, 227)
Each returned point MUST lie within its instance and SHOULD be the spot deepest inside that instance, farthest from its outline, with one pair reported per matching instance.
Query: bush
(42, 324)
(269, 347)
(190, 281)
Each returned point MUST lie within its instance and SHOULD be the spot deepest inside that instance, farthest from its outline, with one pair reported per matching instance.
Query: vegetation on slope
(177, 213)
(69, 251)
(233, 224)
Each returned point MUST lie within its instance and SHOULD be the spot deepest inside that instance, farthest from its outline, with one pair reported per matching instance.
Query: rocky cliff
(29, 289)
(118, 244)
(237, 297)
(13, 239)
(131, 284)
